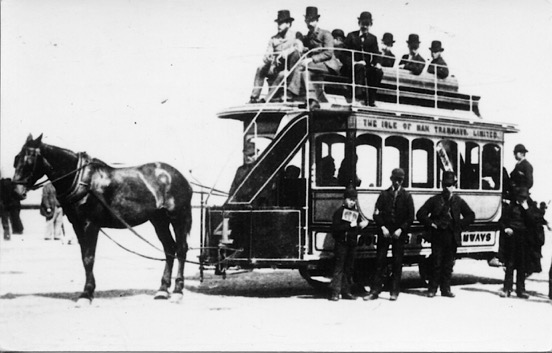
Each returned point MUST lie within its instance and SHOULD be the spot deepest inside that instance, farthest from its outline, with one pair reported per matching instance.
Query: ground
(259, 310)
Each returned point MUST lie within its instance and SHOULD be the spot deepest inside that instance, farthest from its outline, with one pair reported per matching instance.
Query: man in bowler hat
(522, 175)
(367, 67)
(445, 216)
(413, 61)
(438, 65)
(282, 52)
(317, 64)
(393, 214)
(388, 58)
(347, 224)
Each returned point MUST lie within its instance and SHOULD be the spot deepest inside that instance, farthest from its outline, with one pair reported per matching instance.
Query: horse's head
(29, 166)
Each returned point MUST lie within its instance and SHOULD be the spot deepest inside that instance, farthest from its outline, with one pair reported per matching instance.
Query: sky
(135, 81)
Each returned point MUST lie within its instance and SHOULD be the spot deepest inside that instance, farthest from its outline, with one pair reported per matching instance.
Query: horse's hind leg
(181, 226)
(161, 225)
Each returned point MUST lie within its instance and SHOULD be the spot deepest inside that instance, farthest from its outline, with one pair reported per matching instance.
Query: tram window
(491, 167)
(329, 153)
(423, 162)
(292, 183)
(368, 150)
(469, 166)
(260, 142)
(396, 154)
(447, 157)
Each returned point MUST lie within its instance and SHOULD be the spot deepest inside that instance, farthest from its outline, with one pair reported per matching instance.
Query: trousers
(443, 252)
(381, 257)
(343, 270)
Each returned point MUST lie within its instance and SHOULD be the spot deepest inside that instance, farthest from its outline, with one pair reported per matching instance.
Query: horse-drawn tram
(280, 214)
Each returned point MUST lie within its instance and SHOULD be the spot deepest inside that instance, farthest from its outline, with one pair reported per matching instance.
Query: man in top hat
(522, 175)
(317, 63)
(282, 52)
(388, 58)
(413, 61)
(438, 64)
(367, 67)
(393, 214)
(347, 224)
(445, 216)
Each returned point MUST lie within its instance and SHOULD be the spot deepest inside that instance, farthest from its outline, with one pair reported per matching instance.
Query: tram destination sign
(452, 130)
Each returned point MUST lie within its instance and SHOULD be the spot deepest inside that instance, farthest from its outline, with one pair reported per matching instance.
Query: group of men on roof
(284, 57)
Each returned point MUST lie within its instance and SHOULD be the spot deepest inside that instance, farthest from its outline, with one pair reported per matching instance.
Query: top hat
(350, 193)
(449, 178)
(387, 38)
(520, 148)
(311, 13)
(365, 17)
(413, 39)
(338, 33)
(397, 173)
(284, 16)
(436, 46)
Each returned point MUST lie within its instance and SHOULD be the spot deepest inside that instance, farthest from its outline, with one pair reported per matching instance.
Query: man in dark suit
(318, 62)
(394, 213)
(438, 64)
(445, 216)
(413, 61)
(367, 67)
(388, 58)
(522, 175)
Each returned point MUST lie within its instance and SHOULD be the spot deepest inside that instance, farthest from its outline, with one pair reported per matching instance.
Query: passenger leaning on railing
(317, 64)
(367, 67)
(413, 61)
(283, 51)
(438, 63)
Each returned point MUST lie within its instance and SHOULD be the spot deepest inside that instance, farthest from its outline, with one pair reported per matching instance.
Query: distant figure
(438, 63)
(367, 67)
(325, 175)
(317, 64)
(51, 209)
(522, 175)
(283, 51)
(388, 60)
(339, 43)
(10, 208)
(413, 61)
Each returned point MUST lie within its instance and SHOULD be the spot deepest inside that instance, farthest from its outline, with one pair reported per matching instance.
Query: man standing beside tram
(445, 215)
(393, 214)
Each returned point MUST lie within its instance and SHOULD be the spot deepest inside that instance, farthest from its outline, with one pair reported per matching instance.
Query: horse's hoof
(176, 297)
(161, 295)
(83, 302)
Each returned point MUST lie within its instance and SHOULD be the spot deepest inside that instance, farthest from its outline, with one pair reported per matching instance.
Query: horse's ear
(39, 139)
(29, 138)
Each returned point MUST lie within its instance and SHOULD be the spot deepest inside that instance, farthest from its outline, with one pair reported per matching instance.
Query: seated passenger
(437, 62)
(283, 51)
(345, 175)
(319, 62)
(367, 67)
(292, 188)
(388, 60)
(339, 43)
(325, 172)
(413, 61)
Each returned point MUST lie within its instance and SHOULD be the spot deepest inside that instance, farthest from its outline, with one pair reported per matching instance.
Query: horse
(94, 195)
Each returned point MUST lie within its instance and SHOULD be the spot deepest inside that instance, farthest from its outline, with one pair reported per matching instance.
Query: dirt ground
(259, 310)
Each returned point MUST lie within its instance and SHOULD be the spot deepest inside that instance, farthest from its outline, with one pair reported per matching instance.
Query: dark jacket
(342, 230)
(368, 46)
(446, 214)
(389, 59)
(403, 214)
(320, 38)
(442, 71)
(415, 65)
(522, 175)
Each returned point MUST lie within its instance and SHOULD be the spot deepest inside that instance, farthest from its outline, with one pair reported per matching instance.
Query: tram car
(280, 215)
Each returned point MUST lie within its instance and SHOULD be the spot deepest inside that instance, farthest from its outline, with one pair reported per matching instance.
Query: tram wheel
(317, 278)
(425, 269)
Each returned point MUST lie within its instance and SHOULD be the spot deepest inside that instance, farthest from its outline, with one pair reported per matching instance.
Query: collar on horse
(81, 181)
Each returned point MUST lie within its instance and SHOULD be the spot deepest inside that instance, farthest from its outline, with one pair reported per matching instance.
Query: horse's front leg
(88, 239)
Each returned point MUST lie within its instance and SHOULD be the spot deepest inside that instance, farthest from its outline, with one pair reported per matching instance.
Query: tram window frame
(375, 141)
(329, 139)
(453, 158)
(497, 179)
(428, 146)
(402, 145)
(470, 172)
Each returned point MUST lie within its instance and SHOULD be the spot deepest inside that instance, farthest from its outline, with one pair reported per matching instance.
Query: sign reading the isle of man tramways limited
(454, 131)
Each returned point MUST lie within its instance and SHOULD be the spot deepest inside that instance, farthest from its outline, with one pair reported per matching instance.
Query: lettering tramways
(421, 124)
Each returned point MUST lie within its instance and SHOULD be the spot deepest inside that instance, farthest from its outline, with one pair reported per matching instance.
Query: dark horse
(94, 195)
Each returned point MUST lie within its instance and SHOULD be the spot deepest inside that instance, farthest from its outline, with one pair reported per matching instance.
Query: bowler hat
(397, 173)
(449, 178)
(436, 46)
(520, 148)
(350, 193)
(365, 17)
(312, 13)
(284, 16)
(338, 33)
(413, 39)
(388, 38)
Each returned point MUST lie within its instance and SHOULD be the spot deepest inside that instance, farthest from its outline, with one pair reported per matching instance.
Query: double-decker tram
(280, 214)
